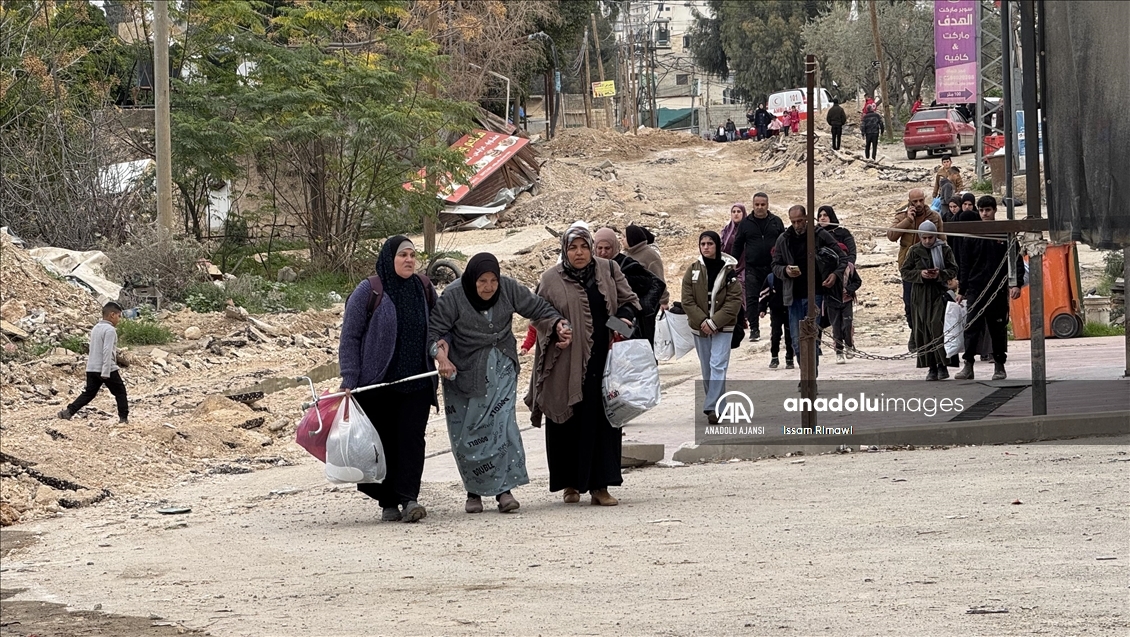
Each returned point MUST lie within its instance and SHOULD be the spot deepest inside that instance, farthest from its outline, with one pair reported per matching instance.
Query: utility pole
(807, 352)
(600, 69)
(1032, 143)
(161, 115)
(882, 69)
(430, 217)
(587, 90)
(654, 83)
(633, 118)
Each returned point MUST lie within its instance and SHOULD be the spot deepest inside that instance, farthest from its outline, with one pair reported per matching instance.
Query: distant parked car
(938, 130)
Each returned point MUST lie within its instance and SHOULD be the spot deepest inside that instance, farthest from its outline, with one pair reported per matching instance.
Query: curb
(980, 432)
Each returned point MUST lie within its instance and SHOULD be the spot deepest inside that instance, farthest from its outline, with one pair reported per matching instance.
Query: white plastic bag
(631, 381)
(354, 452)
(954, 328)
(681, 334)
(664, 346)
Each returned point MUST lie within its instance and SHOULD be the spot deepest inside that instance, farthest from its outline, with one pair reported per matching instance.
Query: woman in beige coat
(583, 449)
(712, 299)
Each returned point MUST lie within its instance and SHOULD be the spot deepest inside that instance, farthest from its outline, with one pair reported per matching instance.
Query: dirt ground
(905, 542)
(82, 473)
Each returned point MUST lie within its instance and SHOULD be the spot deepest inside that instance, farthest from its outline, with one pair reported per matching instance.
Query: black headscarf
(585, 274)
(635, 235)
(479, 265)
(407, 296)
(831, 214)
(713, 266)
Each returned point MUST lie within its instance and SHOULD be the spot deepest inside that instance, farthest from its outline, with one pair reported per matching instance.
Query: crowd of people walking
(396, 328)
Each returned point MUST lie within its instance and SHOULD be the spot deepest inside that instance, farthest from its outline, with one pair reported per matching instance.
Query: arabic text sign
(604, 89)
(955, 51)
(486, 152)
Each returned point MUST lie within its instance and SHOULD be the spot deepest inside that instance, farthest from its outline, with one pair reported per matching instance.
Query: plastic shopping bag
(315, 426)
(354, 452)
(664, 346)
(954, 328)
(631, 381)
(681, 334)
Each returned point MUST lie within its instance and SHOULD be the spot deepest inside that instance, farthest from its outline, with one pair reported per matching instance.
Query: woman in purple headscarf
(729, 233)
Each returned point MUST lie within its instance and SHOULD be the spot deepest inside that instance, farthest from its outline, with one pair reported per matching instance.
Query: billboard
(604, 89)
(486, 152)
(955, 51)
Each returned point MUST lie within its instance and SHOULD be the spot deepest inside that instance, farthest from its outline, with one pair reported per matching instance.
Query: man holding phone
(790, 257)
(917, 212)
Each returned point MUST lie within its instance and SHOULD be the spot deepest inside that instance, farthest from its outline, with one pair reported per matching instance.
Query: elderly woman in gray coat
(472, 338)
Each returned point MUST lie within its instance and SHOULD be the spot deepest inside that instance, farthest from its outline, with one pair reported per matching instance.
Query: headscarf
(635, 235)
(831, 214)
(585, 274)
(407, 296)
(929, 229)
(608, 235)
(713, 266)
(479, 265)
(970, 197)
(730, 231)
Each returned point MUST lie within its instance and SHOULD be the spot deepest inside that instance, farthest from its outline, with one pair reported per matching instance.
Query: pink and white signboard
(955, 51)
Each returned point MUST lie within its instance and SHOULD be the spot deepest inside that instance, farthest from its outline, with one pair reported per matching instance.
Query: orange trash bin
(1061, 297)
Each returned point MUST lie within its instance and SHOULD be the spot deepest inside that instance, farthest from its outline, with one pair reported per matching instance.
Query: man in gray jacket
(102, 366)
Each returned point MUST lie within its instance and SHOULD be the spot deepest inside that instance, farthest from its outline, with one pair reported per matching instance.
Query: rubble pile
(607, 143)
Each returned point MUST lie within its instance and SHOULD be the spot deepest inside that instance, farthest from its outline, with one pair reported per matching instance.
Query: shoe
(123, 421)
(601, 497)
(712, 417)
(988, 358)
(998, 371)
(390, 514)
(850, 353)
(789, 363)
(943, 373)
(572, 496)
(507, 503)
(966, 372)
(774, 363)
(932, 374)
(840, 360)
(755, 336)
(413, 512)
(66, 414)
(474, 504)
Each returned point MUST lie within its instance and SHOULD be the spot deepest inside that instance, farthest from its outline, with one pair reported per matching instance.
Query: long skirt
(484, 431)
(584, 451)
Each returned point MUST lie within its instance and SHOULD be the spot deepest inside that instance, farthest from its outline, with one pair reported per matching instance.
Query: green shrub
(1098, 329)
(259, 296)
(205, 297)
(76, 344)
(143, 332)
(982, 185)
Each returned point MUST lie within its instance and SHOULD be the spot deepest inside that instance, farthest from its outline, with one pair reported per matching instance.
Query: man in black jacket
(980, 259)
(761, 119)
(790, 263)
(757, 234)
(836, 119)
(871, 127)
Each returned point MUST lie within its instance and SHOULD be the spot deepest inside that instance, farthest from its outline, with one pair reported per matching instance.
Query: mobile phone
(618, 326)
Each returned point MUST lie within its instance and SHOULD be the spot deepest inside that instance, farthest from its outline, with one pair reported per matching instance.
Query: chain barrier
(938, 342)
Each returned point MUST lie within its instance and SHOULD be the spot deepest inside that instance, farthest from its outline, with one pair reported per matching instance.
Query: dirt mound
(609, 144)
(55, 304)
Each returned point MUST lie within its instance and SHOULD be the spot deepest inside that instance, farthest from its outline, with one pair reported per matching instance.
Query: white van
(781, 101)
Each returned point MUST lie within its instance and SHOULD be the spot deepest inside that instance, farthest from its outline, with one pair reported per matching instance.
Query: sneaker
(66, 414)
(413, 512)
(840, 360)
(123, 421)
(390, 514)
(474, 504)
(851, 352)
(788, 363)
(712, 417)
(507, 503)
(774, 363)
(755, 336)
(943, 373)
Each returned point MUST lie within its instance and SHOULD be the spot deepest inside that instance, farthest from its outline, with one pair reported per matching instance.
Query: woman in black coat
(840, 308)
(648, 287)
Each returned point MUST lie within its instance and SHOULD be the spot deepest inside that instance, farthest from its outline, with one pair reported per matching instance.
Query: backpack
(378, 288)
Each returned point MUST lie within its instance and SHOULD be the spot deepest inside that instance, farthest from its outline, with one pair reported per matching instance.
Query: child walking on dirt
(102, 366)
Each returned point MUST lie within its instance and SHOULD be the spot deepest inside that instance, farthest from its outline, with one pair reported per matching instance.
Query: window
(683, 79)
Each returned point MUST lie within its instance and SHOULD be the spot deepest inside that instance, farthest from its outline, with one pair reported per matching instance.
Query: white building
(663, 27)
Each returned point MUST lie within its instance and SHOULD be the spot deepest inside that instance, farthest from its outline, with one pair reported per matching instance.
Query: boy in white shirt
(102, 366)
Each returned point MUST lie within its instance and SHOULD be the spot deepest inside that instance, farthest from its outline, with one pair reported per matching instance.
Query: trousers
(713, 359)
(797, 312)
(94, 382)
(837, 136)
(400, 420)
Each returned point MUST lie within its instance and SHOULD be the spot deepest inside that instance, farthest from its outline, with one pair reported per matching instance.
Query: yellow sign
(604, 89)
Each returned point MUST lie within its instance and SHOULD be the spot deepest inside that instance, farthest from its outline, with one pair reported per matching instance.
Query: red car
(938, 129)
